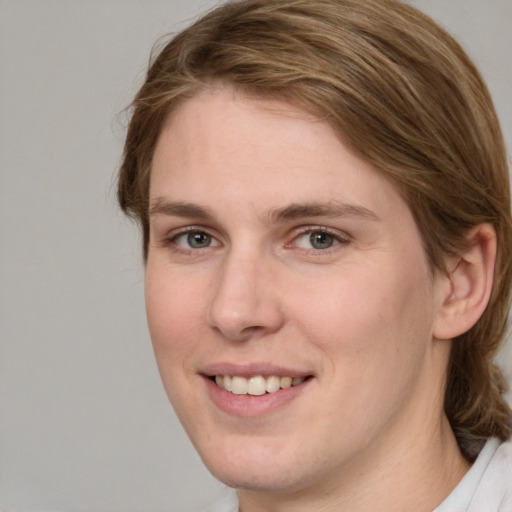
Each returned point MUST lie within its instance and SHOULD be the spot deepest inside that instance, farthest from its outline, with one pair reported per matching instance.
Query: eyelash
(172, 240)
(338, 239)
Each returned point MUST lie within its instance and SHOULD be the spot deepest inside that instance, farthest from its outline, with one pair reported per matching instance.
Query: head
(404, 97)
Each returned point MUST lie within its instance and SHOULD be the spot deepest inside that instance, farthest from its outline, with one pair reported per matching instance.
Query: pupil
(321, 240)
(198, 240)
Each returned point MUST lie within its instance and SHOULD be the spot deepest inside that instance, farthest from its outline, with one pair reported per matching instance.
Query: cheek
(368, 320)
(173, 321)
(173, 314)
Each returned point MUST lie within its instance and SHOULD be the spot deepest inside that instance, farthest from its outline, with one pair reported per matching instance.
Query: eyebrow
(332, 209)
(180, 209)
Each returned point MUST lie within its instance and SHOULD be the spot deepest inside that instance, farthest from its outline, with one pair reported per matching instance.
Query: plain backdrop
(84, 422)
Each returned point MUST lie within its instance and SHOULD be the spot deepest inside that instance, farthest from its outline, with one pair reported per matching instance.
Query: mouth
(254, 390)
(257, 385)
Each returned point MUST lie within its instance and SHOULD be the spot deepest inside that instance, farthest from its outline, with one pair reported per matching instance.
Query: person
(323, 192)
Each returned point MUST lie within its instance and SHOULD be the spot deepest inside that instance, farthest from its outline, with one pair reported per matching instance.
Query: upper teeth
(257, 385)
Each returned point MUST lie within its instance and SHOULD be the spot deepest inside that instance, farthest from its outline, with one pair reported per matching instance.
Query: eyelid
(341, 237)
(171, 238)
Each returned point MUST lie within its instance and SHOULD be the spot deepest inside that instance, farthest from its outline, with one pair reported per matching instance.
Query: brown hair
(407, 99)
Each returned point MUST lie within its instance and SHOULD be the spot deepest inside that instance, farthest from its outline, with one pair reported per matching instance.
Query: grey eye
(198, 240)
(320, 240)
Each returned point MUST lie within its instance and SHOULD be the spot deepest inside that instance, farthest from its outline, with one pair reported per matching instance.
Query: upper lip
(252, 369)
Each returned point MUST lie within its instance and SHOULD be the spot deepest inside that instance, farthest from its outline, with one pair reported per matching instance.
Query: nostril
(252, 328)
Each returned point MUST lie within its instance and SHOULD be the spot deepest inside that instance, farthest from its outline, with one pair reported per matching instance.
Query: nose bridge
(243, 302)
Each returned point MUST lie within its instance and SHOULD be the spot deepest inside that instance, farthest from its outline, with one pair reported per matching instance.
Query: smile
(257, 385)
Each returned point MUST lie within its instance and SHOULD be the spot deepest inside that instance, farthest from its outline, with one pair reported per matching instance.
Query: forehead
(211, 123)
(227, 150)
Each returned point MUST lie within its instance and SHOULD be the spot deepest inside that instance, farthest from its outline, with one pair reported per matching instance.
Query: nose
(245, 303)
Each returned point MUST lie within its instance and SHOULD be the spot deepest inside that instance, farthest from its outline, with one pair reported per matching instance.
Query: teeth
(256, 385)
(239, 386)
(273, 384)
(286, 382)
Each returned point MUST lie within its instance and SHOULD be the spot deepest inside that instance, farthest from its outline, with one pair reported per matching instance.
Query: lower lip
(249, 405)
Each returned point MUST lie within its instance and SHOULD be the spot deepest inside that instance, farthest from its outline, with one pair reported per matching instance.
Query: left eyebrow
(331, 209)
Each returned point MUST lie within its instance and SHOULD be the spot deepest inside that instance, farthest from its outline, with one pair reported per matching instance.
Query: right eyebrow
(179, 209)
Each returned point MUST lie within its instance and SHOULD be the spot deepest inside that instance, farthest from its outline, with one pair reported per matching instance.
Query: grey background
(84, 422)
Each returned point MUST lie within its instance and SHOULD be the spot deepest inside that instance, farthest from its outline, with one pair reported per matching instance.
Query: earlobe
(470, 278)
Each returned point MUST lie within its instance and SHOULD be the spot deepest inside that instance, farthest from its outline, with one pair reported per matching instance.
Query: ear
(470, 278)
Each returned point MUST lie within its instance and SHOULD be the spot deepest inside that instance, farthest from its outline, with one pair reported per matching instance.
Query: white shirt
(486, 487)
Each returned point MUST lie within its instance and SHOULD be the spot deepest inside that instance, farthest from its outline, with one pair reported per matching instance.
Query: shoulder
(494, 492)
(487, 486)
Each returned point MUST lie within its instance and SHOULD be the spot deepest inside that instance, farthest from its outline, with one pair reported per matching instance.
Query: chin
(260, 467)
(262, 479)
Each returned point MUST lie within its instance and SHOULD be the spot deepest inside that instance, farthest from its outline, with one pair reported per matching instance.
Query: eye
(195, 240)
(318, 240)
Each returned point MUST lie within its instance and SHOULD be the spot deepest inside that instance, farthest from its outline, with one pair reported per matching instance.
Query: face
(289, 298)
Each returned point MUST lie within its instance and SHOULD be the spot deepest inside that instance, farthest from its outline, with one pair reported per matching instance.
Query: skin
(362, 317)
